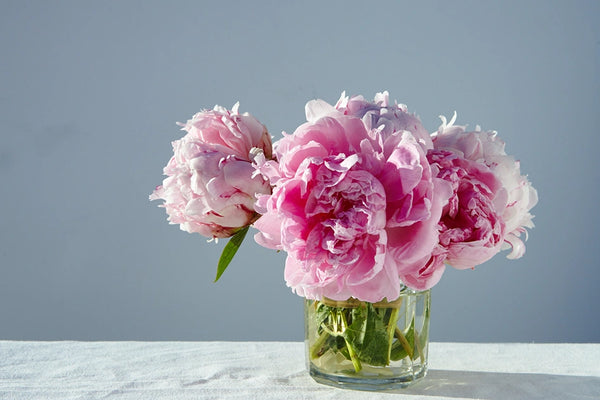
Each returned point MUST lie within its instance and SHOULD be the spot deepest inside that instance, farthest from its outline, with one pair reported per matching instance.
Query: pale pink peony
(487, 149)
(354, 209)
(210, 188)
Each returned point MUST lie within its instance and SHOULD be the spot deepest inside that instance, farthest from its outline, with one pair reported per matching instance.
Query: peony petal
(316, 109)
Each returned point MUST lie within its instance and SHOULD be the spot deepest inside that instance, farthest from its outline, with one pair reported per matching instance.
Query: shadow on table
(502, 386)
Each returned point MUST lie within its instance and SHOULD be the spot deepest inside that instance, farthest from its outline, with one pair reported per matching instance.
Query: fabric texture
(276, 370)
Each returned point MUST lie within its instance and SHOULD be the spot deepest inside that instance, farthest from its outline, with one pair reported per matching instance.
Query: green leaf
(368, 336)
(322, 313)
(376, 344)
(229, 251)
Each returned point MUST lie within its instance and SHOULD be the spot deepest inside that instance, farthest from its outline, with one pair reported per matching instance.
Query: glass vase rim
(354, 302)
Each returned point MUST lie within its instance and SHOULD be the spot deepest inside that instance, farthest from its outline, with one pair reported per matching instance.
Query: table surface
(276, 370)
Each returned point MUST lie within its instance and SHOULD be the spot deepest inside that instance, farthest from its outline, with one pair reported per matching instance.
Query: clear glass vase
(368, 346)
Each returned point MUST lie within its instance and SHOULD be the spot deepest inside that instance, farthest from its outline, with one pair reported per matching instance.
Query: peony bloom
(210, 187)
(471, 227)
(354, 208)
(487, 149)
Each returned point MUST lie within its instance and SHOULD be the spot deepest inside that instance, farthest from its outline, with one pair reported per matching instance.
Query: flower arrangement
(362, 198)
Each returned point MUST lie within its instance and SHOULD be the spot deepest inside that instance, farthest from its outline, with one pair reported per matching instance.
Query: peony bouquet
(363, 199)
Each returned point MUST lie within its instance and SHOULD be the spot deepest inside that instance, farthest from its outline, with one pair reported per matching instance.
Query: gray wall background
(90, 93)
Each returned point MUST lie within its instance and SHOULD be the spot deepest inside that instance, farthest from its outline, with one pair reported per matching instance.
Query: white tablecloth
(276, 370)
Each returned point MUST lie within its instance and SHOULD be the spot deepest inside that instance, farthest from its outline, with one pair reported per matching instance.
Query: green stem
(402, 339)
(353, 356)
(315, 349)
(391, 328)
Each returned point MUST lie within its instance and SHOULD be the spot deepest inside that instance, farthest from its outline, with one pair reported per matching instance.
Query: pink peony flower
(471, 227)
(355, 209)
(487, 149)
(210, 187)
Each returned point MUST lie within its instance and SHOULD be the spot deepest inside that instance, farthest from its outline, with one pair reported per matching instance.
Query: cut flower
(486, 149)
(210, 188)
(353, 208)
